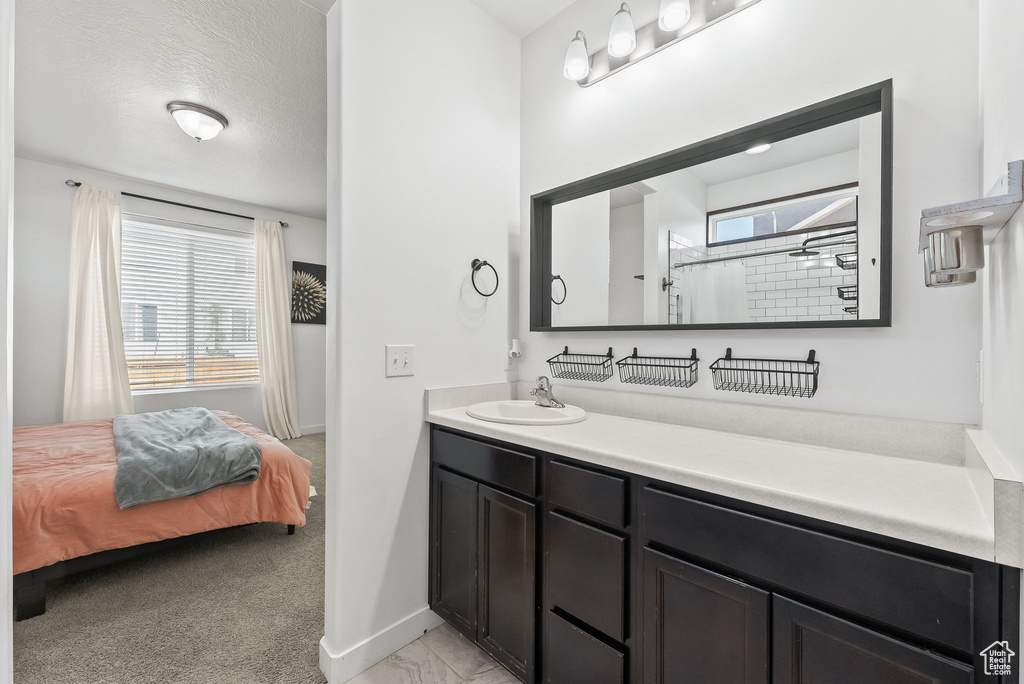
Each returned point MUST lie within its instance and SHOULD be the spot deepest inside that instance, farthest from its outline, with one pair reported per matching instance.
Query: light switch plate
(400, 360)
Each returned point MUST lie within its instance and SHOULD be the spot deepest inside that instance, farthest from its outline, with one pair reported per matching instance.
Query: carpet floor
(240, 606)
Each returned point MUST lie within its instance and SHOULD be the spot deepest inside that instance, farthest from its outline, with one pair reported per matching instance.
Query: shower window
(834, 207)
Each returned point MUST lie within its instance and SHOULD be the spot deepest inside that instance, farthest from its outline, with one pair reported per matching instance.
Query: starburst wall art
(309, 293)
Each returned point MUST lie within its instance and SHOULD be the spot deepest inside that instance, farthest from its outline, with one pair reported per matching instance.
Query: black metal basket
(847, 262)
(766, 376)
(661, 371)
(847, 293)
(588, 367)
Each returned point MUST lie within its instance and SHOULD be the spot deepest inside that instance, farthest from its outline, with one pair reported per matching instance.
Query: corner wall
(42, 246)
(1002, 105)
(6, 224)
(774, 57)
(423, 178)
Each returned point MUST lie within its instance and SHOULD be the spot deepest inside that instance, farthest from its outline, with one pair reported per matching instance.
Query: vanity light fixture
(628, 44)
(674, 14)
(199, 122)
(577, 58)
(760, 149)
(622, 36)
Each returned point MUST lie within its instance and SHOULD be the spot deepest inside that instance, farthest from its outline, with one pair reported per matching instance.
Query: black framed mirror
(786, 223)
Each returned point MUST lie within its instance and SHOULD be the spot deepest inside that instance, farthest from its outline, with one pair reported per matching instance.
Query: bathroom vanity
(577, 554)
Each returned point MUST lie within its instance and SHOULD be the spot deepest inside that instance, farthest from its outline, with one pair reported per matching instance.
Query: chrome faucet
(544, 395)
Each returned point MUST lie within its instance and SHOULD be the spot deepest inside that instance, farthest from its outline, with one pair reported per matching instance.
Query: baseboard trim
(312, 429)
(341, 667)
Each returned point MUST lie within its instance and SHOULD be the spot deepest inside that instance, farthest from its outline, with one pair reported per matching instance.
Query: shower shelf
(850, 310)
(847, 293)
(660, 371)
(587, 367)
(766, 376)
(847, 262)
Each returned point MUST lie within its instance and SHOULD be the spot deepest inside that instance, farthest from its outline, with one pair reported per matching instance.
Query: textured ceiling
(522, 17)
(93, 78)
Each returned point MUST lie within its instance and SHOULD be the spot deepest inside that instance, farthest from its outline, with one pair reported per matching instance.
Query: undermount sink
(525, 413)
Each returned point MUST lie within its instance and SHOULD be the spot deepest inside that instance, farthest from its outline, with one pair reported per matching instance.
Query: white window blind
(188, 306)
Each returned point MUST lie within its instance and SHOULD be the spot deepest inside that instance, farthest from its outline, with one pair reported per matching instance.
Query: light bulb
(622, 36)
(673, 14)
(577, 58)
(759, 149)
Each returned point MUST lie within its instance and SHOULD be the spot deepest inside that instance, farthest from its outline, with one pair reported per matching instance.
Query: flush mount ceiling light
(760, 149)
(673, 14)
(199, 122)
(622, 36)
(627, 44)
(577, 58)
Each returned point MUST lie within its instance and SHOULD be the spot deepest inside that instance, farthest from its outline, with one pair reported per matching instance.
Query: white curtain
(96, 377)
(714, 293)
(274, 332)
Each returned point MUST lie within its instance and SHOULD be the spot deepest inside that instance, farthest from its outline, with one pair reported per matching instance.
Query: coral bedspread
(64, 505)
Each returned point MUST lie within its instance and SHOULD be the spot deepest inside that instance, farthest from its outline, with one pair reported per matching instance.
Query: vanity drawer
(586, 574)
(588, 493)
(927, 599)
(485, 462)
(574, 657)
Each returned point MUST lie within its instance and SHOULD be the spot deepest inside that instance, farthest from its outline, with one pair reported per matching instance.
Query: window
(823, 209)
(188, 306)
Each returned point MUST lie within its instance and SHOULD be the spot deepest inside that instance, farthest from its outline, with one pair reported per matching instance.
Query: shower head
(804, 252)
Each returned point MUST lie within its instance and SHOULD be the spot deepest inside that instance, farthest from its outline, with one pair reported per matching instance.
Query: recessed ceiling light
(759, 149)
(199, 122)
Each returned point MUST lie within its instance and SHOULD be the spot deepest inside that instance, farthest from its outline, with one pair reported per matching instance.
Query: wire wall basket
(766, 376)
(588, 367)
(661, 371)
(847, 293)
(847, 262)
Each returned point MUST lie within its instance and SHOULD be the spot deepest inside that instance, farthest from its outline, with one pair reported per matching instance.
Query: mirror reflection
(778, 233)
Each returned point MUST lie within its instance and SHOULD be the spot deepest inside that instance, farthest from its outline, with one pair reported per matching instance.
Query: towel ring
(565, 291)
(477, 265)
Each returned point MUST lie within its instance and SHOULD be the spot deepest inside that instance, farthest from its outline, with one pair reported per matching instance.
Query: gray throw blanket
(181, 452)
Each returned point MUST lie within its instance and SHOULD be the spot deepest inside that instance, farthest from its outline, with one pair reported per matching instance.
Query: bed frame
(30, 587)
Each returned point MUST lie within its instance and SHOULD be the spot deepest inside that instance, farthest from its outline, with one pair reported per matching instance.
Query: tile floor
(441, 656)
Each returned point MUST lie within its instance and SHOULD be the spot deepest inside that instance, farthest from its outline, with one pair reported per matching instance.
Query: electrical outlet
(400, 360)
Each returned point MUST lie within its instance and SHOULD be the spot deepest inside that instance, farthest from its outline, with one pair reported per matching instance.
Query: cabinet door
(809, 646)
(701, 627)
(453, 593)
(508, 580)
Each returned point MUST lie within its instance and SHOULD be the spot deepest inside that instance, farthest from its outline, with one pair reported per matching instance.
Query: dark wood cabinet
(811, 646)
(700, 626)
(507, 586)
(453, 593)
(483, 547)
(576, 574)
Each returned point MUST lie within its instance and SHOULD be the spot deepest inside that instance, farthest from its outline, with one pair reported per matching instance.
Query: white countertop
(933, 504)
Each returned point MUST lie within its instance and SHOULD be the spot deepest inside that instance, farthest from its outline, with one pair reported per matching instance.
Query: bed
(66, 518)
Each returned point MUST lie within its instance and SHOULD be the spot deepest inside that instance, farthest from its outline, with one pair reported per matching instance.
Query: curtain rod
(75, 184)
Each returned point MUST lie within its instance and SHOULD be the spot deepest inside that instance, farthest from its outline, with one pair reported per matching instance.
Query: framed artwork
(309, 293)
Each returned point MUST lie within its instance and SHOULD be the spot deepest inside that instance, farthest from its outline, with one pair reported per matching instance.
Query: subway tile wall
(780, 287)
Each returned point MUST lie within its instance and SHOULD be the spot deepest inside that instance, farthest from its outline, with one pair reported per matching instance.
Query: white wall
(6, 223)
(772, 58)
(424, 177)
(42, 249)
(1002, 100)
(581, 254)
